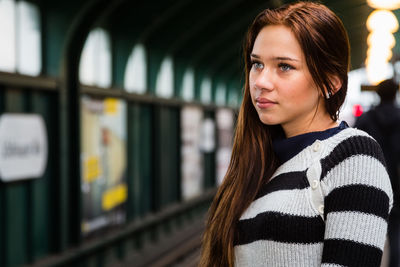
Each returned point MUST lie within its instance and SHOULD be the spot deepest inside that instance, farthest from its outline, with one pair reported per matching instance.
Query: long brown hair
(325, 45)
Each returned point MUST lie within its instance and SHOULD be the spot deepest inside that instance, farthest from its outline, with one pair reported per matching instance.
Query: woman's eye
(257, 65)
(285, 67)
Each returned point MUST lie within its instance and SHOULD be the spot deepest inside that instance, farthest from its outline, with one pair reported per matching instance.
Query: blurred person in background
(383, 123)
(301, 189)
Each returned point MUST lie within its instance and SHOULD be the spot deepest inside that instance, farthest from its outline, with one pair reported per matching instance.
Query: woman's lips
(264, 102)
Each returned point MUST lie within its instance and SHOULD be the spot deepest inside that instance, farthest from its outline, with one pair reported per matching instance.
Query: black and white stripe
(351, 147)
(285, 181)
(350, 253)
(282, 227)
(358, 198)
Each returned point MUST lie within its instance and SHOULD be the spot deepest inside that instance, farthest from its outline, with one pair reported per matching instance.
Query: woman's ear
(336, 85)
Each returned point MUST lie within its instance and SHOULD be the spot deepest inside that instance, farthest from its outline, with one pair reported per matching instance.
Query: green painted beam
(70, 197)
(15, 198)
(2, 197)
(41, 221)
(57, 16)
(140, 186)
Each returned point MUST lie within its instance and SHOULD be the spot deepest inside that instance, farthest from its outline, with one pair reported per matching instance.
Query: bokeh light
(377, 53)
(357, 110)
(382, 20)
(382, 39)
(384, 4)
(381, 24)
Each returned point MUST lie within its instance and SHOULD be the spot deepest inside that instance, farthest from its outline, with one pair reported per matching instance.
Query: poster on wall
(103, 162)
(225, 120)
(192, 158)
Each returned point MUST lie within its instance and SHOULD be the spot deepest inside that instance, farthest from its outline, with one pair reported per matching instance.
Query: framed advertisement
(103, 162)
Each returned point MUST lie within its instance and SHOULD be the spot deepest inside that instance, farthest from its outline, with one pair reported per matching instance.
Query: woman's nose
(264, 80)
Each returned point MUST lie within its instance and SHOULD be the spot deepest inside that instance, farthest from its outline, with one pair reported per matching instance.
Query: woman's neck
(315, 124)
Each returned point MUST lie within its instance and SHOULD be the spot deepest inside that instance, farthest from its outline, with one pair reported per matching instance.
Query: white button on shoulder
(321, 209)
(317, 146)
(314, 184)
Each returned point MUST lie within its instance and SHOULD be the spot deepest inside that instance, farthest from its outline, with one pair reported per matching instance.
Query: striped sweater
(326, 206)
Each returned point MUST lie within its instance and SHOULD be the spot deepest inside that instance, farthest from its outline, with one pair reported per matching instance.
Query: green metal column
(166, 156)
(121, 49)
(199, 75)
(155, 57)
(16, 202)
(140, 147)
(57, 16)
(145, 139)
(2, 197)
(40, 190)
(209, 157)
(179, 70)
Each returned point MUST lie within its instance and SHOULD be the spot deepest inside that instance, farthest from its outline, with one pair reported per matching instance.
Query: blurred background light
(378, 71)
(357, 110)
(381, 24)
(376, 53)
(382, 20)
(384, 4)
(381, 39)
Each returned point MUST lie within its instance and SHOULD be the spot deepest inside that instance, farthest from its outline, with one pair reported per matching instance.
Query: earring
(329, 95)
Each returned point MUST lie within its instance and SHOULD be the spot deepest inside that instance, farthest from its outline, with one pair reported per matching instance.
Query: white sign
(207, 140)
(225, 121)
(192, 159)
(23, 146)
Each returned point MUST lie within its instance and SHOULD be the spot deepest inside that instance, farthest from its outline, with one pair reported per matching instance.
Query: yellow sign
(114, 196)
(110, 106)
(92, 169)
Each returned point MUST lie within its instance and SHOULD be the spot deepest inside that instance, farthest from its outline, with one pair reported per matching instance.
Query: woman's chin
(268, 121)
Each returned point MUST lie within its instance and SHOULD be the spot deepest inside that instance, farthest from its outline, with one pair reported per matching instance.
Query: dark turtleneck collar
(286, 148)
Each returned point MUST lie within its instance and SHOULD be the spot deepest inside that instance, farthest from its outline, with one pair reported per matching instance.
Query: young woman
(301, 189)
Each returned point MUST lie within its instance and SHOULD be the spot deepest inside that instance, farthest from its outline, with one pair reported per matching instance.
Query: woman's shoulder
(351, 132)
(352, 142)
(355, 160)
(352, 137)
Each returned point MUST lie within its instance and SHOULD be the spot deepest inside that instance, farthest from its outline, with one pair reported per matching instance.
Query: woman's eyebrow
(255, 56)
(286, 58)
(276, 58)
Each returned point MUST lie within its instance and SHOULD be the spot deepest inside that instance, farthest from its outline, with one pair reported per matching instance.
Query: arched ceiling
(209, 33)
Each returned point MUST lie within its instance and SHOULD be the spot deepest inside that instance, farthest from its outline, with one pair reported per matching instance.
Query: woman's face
(281, 86)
